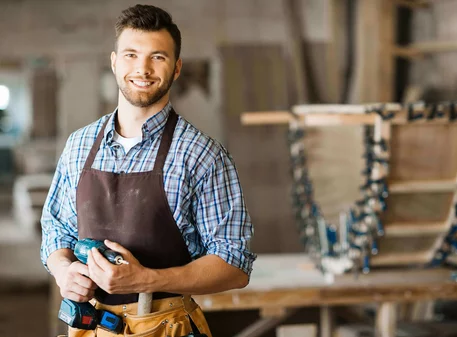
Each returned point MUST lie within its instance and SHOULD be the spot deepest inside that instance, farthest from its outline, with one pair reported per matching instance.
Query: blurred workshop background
(239, 56)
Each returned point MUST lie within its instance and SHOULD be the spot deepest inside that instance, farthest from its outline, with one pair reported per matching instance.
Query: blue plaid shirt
(200, 180)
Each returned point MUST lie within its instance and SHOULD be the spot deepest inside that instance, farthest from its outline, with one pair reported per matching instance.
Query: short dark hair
(148, 18)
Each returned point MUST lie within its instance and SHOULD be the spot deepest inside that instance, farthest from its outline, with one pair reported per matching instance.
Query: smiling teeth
(142, 84)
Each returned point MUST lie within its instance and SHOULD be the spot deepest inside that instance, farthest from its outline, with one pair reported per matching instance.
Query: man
(166, 196)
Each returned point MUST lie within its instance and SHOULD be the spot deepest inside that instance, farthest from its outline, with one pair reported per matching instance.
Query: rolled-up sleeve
(58, 220)
(222, 217)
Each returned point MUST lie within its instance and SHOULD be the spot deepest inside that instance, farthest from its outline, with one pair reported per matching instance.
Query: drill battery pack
(84, 316)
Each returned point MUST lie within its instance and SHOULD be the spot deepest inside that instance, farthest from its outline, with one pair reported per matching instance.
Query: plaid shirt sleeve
(221, 215)
(58, 220)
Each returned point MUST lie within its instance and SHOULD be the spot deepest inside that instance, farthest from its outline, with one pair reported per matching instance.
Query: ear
(113, 62)
(178, 68)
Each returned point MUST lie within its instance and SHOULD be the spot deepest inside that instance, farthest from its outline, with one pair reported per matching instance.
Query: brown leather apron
(132, 209)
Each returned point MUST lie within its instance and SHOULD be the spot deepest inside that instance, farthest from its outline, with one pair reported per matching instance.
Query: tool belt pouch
(173, 323)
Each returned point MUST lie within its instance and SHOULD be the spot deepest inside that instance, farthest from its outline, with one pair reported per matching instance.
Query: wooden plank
(386, 70)
(420, 186)
(295, 52)
(279, 281)
(261, 153)
(386, 320)
(333, 69)
(412, 229)
(284, 117)
(343, 109)
(377, 286)
(324, 119)
(413, 4)
(415, 248)
(401, 259)
(333, 168)
(326, 321)
(420, 49)
(417, 207)
(266, 118)
(364, 85)
(297, 330)
(338, 120)
(422, 175)
(44, 88)
(449, 221)
(424, 152)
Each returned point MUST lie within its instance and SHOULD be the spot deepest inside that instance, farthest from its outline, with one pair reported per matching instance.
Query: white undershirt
(127, 143)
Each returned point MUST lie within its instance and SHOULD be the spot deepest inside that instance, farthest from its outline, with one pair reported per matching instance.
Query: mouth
(142, 84)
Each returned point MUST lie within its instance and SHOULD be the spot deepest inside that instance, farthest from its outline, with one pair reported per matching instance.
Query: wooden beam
(297, 330)
(378, 286)
(386, 70)
(420, 49)
(386, 320)
(352, 109)
(295, 52)
(419, 186)
(333, 71)
(326, 321)
(449, 221)
(413, 229)
(266, 118)
(413, 4)
(335, 118)
(402, 259)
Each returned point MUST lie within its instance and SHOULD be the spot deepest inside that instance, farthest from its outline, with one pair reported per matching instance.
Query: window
(4, 97)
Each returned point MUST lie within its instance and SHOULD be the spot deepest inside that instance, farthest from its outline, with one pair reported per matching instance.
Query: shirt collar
(151, 128)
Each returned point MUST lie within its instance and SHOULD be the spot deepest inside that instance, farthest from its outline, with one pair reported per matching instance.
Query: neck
(130, 119)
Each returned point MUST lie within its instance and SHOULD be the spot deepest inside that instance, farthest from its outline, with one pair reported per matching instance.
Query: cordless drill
(84, 315)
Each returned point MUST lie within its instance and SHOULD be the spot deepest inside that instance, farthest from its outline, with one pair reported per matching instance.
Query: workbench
(281, 283)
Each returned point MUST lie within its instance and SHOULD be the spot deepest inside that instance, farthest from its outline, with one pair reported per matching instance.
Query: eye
(130, 55)
(158, 57)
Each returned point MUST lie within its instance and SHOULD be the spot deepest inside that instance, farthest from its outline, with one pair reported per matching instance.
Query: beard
(145, 99)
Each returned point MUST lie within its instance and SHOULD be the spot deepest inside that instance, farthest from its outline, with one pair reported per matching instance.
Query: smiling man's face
(145, 66)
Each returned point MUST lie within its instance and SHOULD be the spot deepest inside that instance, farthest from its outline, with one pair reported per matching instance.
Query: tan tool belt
(169, 317)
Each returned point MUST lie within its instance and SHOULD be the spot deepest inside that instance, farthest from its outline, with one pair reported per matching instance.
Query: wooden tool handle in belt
(144, 303)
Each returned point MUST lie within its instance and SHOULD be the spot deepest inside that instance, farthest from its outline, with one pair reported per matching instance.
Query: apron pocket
(178, 327)
(145, 327)
(73, 332)
(106, 333)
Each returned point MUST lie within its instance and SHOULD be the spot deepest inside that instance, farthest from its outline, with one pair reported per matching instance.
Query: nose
(144, 67)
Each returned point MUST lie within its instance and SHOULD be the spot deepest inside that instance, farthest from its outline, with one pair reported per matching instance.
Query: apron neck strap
(93, 152)
(165, 143)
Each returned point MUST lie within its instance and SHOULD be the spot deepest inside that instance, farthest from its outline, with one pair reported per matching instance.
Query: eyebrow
(132, 50)
(162, 52)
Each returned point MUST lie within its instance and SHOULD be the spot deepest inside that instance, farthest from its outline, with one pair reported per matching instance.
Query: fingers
(85, 282)
(97, 262)
(79, 268)
(76, 286)
(117, 247)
